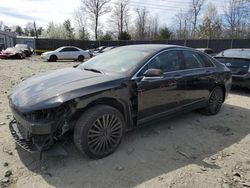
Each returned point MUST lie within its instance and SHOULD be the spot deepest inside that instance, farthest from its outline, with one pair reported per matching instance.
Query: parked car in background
(103, 50)
(113, 92)
(12, 53)
(96, 50)
(66, 53)
(207, 51)
(24, 47)
(238, 61)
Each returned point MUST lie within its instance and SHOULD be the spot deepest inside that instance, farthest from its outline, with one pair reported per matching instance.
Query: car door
(64, 53)
(74, 53)
(158, 95)
(199, 76)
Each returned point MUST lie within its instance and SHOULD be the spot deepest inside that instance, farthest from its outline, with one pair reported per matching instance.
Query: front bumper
(44, 57)
(19, 137)
(242, 80)
(32, 137)
(39, 128)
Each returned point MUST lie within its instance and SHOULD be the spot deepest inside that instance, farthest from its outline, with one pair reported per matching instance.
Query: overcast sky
(19, 12)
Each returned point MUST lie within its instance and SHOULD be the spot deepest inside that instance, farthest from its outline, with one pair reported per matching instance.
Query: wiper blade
(93, 70)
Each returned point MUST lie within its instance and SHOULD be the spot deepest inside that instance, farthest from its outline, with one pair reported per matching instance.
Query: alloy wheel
(105, 134)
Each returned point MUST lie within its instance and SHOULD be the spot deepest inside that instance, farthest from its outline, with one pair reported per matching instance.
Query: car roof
(150, 47)
(203, 48)
(243, 53)
(69, 47)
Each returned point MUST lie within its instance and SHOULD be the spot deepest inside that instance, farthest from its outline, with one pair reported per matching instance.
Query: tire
(99, 131)
(215, 101)
(53, 58)
(20, 56)
(80, 58)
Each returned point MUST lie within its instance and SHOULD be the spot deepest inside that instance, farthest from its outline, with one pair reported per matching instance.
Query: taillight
(249, 69)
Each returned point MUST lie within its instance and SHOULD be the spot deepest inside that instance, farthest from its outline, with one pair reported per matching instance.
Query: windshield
(9, 49)
(59, 49)
(119, 60)
(21, 46)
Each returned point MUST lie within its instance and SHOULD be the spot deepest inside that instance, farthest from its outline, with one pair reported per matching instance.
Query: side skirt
(174, 111)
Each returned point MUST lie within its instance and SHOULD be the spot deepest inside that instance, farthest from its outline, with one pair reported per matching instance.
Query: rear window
(207, 61)
(192, 60)
(209, 51)
(240, 53)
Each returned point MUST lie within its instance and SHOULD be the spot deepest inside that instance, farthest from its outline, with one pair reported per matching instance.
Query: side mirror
(153, 73)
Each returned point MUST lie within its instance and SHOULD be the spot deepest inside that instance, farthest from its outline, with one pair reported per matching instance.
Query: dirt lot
(191, 150)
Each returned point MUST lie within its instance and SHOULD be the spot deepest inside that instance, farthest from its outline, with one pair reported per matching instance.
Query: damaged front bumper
(31, 136)
(27, 140)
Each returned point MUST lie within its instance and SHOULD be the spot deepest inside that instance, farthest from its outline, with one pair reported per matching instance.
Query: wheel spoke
(114, 127)
(98, 145)
(92, 143)
(99, 123)
(97, 126)
(104, 121)
(111, 121)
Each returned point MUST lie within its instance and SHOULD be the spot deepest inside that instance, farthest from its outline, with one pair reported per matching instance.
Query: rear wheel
(80, 58)
(52, 58)
(99, 131)
(215, 101)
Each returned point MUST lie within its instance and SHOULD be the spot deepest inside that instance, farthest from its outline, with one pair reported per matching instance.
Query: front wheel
(99, 131)
(215, 101)
(53, 58)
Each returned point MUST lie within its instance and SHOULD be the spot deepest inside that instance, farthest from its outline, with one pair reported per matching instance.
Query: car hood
(49, 52)
(51, 89)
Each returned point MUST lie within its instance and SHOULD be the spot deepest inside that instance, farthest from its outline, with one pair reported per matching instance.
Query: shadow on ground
(163, 146)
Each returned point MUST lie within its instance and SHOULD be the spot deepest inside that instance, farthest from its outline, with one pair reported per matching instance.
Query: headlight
(47, 114)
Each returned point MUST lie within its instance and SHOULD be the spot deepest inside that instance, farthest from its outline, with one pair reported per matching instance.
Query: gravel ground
(191, 150)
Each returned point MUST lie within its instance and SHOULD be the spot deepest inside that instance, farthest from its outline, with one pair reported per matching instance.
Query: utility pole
(35, 29)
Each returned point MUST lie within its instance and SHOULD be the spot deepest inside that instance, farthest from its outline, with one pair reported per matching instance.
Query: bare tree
(183, 21)
(195, 11)
(237, 17)
(153, 27)
(141, 23)
(80, 23)
(96, 8)
(120, 15)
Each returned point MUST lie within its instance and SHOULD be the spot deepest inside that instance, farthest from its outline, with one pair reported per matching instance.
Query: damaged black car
(114, 92)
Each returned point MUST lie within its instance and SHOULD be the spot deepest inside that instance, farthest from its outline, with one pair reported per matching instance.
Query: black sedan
(114, 92)
(238, 61)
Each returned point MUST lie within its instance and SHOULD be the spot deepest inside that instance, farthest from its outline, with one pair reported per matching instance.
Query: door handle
(208, 71)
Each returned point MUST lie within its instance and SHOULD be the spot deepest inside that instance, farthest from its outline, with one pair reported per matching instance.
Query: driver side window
(167, 62)
(64, 50)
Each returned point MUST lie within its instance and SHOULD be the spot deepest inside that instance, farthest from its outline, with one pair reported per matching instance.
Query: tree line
(200, 20)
